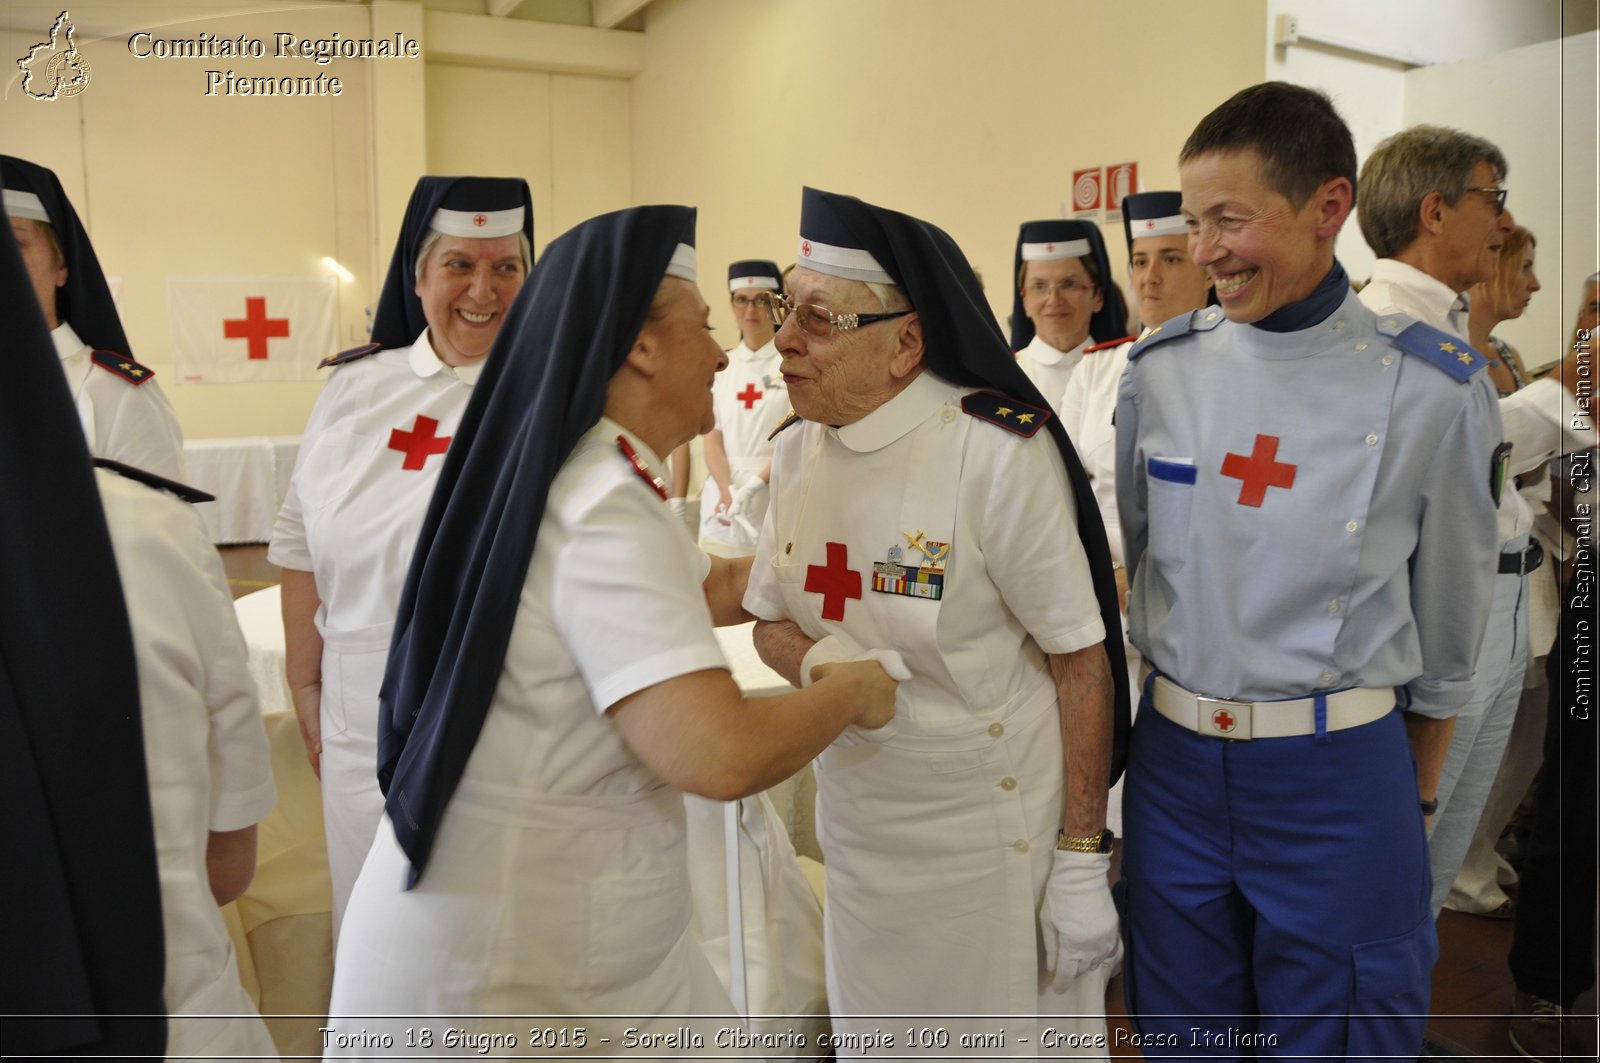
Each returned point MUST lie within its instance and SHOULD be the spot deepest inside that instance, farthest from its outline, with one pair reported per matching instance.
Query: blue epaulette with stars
(1005, 411)
(1455, 357)
(1203, 320)
(351, 355)
(793, 418)
(123, 366)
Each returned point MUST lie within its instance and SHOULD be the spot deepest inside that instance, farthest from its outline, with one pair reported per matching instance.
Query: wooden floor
(1472, 987)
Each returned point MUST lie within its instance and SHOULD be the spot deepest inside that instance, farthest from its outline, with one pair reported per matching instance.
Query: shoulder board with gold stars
(1005, 411)
(1109, 344)
(793, 418)
(184, 492)
(351, 355)
(1455, 357)
(123, 366)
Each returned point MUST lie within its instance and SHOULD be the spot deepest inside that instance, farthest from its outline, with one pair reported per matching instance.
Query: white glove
(1077, 919)
(691, 521)
(748, 498)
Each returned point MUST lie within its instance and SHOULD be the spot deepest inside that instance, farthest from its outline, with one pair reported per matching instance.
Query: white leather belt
(1243, 720)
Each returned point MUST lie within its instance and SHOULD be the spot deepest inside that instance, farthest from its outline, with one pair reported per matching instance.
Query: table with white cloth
(249, 475)
(282, 924)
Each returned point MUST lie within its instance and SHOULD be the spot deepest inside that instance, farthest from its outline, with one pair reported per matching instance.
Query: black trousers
(1552, 951)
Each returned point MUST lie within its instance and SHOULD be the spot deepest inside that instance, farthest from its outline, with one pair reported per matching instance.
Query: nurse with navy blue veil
(554, 684)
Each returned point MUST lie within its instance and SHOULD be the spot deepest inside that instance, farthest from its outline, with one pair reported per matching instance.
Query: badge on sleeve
(1498, 465)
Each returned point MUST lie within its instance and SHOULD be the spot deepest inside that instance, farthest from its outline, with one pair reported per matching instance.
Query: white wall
(970, 115)
(1370, 92)
(1537, 104)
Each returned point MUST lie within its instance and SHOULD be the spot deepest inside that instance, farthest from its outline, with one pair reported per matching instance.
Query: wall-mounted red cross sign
(749, 396)
(835, 581)
(255, 326)
(1259, 471)
(419, 443)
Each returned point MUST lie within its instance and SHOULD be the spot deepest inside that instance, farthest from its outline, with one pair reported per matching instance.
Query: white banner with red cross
(232, 330)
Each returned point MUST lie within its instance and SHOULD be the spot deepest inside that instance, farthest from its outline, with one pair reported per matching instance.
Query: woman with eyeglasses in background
(1066, 303)
(750, 400)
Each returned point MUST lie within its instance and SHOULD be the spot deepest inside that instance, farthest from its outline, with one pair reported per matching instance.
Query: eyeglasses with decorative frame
(821, 322)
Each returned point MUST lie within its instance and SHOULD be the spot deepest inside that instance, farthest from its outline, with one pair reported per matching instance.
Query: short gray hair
(432, 236)
(1404, 169)
(889, 296)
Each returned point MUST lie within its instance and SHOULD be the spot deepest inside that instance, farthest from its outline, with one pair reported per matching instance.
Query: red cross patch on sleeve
(123, 366)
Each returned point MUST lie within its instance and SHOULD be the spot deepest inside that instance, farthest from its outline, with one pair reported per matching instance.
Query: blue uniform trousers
(1275, 894)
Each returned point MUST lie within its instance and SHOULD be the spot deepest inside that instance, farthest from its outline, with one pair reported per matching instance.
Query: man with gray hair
(1433, 209)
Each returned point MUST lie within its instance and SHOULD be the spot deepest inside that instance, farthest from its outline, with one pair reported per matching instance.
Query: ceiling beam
(606, 14)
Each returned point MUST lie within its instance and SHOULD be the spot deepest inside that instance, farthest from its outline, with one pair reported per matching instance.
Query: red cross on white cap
(1049, 247)
(479, 220)
(805, 248)
(1150, 223)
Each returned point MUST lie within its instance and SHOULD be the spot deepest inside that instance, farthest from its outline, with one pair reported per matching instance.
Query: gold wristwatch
(1099, 842)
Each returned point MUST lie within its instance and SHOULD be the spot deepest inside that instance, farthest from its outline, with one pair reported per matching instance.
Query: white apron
(531, 905)
(744, 530)
(937, 831)
(352, 672)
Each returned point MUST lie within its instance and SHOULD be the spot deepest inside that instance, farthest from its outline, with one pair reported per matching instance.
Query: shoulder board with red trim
(1109, 344)
(351, 355)
(123, 366)
(184, 492)
(793, 418)
(1005, 411)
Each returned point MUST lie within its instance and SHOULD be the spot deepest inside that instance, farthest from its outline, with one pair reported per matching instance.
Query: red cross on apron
(255, 326)
(835, 581)
(1259, 471)
(749, 396)
(418, 443)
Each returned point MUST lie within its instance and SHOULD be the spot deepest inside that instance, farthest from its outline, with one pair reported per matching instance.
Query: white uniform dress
(557, 883)
(1050, 368)
(1086, 410)
(750, 399)
(126, 418)
(371, 455)
(205, 751)
(938, 831)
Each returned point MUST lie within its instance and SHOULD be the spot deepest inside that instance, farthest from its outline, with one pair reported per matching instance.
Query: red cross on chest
(835, 581)
(749, 396)
(255, 326)
(419, 443)
(1259, 471)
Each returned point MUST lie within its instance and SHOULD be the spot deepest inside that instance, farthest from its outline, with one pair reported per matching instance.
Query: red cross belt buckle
(1221, 718)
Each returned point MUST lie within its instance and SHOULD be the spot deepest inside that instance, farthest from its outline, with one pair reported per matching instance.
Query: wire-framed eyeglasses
(821, 322)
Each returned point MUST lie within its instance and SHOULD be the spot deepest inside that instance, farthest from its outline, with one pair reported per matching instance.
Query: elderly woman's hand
(866, 684)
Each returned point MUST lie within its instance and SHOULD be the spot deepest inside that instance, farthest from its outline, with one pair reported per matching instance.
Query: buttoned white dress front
(938, 832)
(750, 399)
